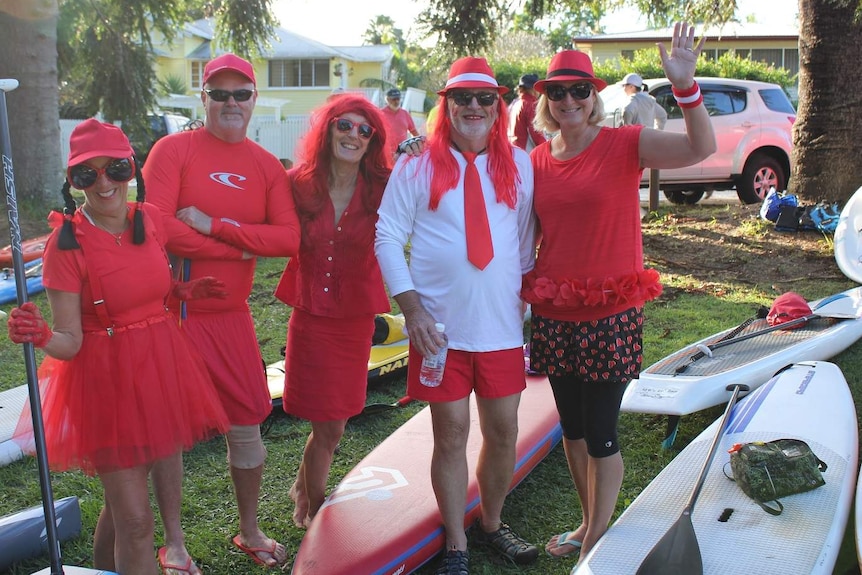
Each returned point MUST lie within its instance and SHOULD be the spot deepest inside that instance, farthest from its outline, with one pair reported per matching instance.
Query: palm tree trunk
(28, 44)
(826, 142)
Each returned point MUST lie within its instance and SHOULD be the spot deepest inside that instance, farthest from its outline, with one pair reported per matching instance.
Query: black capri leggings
(590, 411)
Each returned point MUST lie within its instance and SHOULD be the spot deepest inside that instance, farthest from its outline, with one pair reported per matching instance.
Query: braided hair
(67, 240)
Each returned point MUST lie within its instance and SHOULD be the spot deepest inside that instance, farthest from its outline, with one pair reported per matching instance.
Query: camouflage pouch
(774, 469)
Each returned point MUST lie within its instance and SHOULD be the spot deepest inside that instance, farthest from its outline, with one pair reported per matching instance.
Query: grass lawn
(698, 301)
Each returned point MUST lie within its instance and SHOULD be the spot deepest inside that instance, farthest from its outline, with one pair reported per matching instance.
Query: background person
(642, 108)
(399, 122)
(522, 112)
(334, 283)
(225, 201)
(474, 292)
(128, 353)
(589, 285)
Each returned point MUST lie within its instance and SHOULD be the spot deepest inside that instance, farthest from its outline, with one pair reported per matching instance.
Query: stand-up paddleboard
(386, 358)
(30, 250)
(680, 384)
(809, 401)
(33, 272)
(847, 240)
(11, 404)
(22, 534)
(75, 571)
(383, 518)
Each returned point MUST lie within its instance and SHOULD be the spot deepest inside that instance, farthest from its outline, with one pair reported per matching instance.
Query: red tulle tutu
(125, 401)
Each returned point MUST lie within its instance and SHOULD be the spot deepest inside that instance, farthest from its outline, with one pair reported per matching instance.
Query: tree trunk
(28, 44)
(826, 143)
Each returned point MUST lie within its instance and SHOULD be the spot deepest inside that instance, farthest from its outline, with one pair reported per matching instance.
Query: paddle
(838, 306)
(7, 85)
(677, 552)
(373, 408)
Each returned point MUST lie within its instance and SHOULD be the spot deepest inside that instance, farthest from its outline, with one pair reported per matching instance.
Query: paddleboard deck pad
(734, 534)
(663, 389)
(382, 518)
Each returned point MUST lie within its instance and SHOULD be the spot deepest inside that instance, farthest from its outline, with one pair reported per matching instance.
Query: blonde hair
(545, 122)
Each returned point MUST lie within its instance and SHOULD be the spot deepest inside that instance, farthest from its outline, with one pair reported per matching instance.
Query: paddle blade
(677, 553)
(845, 305)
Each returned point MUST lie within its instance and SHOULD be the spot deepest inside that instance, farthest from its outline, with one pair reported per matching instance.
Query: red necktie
(480, 250)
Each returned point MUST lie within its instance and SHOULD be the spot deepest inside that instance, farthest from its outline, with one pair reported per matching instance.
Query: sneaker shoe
(454, 563)
(506, 543)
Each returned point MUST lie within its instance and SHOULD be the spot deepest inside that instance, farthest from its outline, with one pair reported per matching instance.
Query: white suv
(752, 122)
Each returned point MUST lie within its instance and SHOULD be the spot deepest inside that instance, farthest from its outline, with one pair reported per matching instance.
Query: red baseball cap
(229, 62)
(471, 72)
(92, 138)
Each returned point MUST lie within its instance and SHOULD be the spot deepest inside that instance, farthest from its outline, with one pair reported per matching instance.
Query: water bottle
(431, 372)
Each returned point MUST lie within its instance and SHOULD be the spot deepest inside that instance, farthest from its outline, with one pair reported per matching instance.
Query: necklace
(118, 236)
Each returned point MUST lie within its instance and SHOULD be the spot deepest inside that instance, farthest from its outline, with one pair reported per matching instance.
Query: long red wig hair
(501, 162)
(310, 180)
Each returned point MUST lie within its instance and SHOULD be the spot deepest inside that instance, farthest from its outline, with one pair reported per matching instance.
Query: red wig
(501, 162)
(311, 177)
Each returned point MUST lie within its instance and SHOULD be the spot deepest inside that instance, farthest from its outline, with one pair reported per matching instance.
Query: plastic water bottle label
(431, 372)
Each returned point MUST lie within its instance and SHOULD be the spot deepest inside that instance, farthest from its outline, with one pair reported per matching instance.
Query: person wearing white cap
(465, 205)
(642, 108)
(399, 122)
(225, 201)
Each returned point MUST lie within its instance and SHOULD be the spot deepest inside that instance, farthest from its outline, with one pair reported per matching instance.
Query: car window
(665, 99)
(776, 100)
(157, 127)
(724, 102)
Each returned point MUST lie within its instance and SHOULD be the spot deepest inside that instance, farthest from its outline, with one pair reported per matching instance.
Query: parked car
(752, 122)
(161, 124)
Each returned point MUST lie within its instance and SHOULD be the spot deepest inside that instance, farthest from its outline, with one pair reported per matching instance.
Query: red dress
(335, 287)
(134, 397)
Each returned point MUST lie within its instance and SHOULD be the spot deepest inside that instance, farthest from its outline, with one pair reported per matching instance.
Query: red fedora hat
(570, 66)
(471, 72)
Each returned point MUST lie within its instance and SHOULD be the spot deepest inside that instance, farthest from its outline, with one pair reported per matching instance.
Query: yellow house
(775, 45)
(295, 75)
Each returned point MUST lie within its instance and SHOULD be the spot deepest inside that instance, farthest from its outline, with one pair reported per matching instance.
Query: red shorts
(491, 374)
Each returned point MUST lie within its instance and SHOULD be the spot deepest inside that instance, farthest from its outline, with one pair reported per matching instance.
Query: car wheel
(761, 173)
(688, 197)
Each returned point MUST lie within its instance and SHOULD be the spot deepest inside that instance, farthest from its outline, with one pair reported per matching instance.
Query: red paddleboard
(382, 518)
(30, 249)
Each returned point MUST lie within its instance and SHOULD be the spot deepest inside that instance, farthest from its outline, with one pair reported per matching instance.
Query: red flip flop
(253, 551)
(163, 563)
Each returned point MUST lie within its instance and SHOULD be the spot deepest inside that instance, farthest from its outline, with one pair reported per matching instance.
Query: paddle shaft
(677, 552)
(7, 85)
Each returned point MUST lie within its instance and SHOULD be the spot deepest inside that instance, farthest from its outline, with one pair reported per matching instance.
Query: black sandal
(505, 542)
(454, 563)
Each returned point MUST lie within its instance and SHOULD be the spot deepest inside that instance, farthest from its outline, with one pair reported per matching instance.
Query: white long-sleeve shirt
(481, 308)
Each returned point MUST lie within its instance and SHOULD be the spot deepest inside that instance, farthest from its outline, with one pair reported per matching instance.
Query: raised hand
(26, 325)
(679, 65)
(201, 288)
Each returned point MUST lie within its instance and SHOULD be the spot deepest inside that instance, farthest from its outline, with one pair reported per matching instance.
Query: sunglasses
(465, 98)
(344, 125)
(223, 95)
(83, 176)
(556, 92)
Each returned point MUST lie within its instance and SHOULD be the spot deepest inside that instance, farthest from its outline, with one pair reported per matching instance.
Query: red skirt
(124, 401)
(326, 366)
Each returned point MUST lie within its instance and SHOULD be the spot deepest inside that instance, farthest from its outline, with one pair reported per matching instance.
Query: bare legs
(598, 481)
(168, 486)
(246, 483)
(309, 490)
(451, 420)
(127, 505)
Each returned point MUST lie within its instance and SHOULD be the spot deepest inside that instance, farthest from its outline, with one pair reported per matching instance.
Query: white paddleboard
(847, 240)
(809, 401)
(703, 383)
(11, 403)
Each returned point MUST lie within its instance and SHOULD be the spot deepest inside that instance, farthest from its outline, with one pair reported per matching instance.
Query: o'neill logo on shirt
(224, 178)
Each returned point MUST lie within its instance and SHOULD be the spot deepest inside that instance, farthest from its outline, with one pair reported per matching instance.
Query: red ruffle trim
(634, 288)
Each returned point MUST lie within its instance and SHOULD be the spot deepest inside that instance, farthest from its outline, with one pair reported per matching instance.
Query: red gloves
(26, 325)
(201, 288)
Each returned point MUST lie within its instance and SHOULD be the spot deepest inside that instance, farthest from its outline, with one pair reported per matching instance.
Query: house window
(628, 54)
(197, 75)
(771, 57)
(791, 60)
(303, 73)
